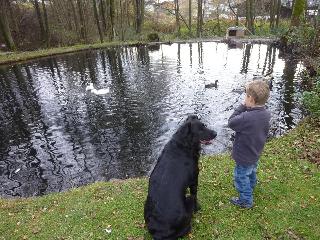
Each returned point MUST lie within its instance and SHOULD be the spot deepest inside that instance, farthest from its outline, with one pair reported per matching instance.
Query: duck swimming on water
(211, 85)
(101, 91)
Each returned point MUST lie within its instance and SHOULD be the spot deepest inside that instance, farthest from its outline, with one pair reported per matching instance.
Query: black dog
(168, 209)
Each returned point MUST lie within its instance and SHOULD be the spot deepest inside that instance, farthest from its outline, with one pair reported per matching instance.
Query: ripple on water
(56, 135)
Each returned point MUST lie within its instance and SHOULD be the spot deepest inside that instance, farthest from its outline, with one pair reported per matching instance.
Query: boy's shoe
(236, 201)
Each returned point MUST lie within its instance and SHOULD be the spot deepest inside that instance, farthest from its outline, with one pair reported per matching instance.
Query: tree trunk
(128, 13)
(278, 13)
(121, 20)
(4, 27)
(112, 18)
(83, 32)
(46, 22)
(139, 12)
(176, 10)
(298, 12)
(96, 16)
(316, 39)
(250, 15)
(157, 12)
(75, 19)
(15, 27)
(218, 17)
(199, 19)
(247, 13)
(142, 12)
(39, 16)
(272, 14)
(190, 18)
(54, 11)
(103, 16)
(318, 18)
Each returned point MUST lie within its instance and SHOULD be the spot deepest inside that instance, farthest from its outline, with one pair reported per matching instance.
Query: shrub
(302, 38)
(153, 37)
(311, 99)
(215, 28)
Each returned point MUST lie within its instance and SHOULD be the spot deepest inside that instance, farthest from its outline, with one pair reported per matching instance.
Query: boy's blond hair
(259, 91)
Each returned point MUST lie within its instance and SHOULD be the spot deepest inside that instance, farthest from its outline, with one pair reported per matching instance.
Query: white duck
(101, 91)
(89, 87)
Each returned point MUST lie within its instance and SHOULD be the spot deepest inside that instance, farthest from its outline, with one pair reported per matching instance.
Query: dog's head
(195, 132)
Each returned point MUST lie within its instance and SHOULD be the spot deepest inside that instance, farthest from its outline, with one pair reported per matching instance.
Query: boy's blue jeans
(245, 179)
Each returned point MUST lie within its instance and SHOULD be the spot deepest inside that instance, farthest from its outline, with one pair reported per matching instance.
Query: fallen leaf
(36, 230)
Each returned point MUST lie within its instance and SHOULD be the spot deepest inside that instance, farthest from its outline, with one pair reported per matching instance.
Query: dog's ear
(184, 132)
(192, 117)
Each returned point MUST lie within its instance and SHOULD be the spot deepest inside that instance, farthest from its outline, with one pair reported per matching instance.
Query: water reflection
(55, 135)
(246, 58)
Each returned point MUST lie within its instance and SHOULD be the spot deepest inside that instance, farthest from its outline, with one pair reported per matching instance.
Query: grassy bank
(13, 57)
(287, 201)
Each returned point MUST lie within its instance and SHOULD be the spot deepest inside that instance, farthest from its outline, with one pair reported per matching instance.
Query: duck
(211, 85)
(269, 80)
(101, 91)
(89, 87)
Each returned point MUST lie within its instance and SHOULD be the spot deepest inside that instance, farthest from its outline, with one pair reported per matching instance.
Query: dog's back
(166, 213)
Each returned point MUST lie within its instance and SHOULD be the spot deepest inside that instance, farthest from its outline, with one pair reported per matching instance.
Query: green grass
(287, 201)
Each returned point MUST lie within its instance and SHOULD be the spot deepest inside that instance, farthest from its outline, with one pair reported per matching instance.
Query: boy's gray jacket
(251, 126)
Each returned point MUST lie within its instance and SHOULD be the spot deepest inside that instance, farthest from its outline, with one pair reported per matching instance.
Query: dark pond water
(56, 135)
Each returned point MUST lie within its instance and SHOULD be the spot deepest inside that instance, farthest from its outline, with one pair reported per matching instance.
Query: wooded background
(33, 24)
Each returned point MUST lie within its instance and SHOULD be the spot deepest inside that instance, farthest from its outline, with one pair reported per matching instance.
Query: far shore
(7, 58)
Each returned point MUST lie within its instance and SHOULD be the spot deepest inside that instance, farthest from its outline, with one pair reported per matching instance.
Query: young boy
(250, 121)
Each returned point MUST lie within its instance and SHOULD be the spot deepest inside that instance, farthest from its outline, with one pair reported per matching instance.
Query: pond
(56, 134)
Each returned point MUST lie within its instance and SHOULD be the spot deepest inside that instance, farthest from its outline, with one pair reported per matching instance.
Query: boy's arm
(236, 120)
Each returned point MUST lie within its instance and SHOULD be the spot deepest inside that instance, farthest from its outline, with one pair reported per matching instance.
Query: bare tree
(278, 12)
(199, 18)
(83, 31)
(103, 16)
(139, 15)
(190, 17)
(111, 18)
(272, 13)
(96, 16)
(121, 20)
(40, 20)
(75, 19)
(46, 22)
(176, 10)
(4, 26)
(250, 15)
(234, 13)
